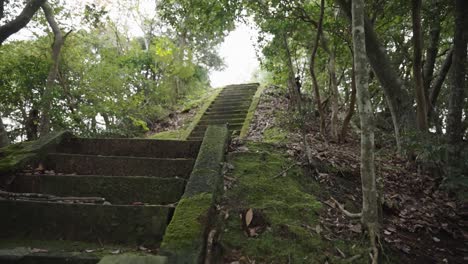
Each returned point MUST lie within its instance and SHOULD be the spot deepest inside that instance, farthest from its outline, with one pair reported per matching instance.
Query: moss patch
(274, 135)
(269, 182)
(18, 155)
(170, 135)
(253, 106)
(185, 232)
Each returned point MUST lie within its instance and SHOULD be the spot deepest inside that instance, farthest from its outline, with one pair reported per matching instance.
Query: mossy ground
(269, 182)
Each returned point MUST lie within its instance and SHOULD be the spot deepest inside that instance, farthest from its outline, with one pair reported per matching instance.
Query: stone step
(118, 165)
(225, 112)
(229, 107)
(235, 94)
(123, 224)
(234, 104)
(115, 189)
(130, 147)
(199, 131)
(221, 121)
(195, 138)
(223, 117)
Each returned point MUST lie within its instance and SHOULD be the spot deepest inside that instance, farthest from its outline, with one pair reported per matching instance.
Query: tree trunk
(293, 89)
(352, 104)
(421, 104)
(437, 84)
(370, 203)
(433, 47)
(398, 100)
(457, 86)
(334, 97)
(53, 71)
(4, 140)
(21, 20)
(31, 125)
(318, 100)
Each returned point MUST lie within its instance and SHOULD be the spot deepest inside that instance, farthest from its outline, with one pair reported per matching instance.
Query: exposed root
(346, 212)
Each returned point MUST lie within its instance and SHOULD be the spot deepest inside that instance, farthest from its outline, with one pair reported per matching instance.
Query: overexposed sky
(238, 53)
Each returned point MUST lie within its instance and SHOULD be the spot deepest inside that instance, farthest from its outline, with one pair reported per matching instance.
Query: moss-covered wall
(184, 240)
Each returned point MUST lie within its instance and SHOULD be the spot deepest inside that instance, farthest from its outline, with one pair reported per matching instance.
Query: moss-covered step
(134, 259)
(227, 112)
(231, 104)
(117, 165)
(115, 189)
(25, 255)
(221, 121)
(127, 225)
(212, 116)
(130, 147)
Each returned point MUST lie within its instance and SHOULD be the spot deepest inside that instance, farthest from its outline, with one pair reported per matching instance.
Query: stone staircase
(141, 180)
(113, 192)
(230, 106)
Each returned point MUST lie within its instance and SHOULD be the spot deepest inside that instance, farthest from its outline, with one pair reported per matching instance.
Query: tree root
(346, 212)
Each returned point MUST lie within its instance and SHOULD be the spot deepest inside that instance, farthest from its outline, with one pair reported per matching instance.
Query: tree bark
(334, 97)
(398, 100)
(457, 87)
(421, 105)
(4, 140)
(352, 105)
(433, 47)
(293, 90)
(370, 202)
(53, 71)
(318, 100)
(21, 20)
(437, 84)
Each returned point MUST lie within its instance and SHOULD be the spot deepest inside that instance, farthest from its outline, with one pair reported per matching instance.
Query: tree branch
(21, 20)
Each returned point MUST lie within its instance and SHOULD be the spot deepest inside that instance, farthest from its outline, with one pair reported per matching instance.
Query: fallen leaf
(248, 217)
(117, 251)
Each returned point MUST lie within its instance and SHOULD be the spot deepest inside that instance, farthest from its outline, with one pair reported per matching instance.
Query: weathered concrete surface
(16, 156)
(128, 225)
(24, 256)
(132, 259)
(115, 189)
(130, 147)
(185, 237)
(118, 165)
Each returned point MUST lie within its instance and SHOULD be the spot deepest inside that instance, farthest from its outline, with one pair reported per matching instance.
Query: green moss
(250, 114)
(18, 155)
(185, 232)
(274, 135)
(201, 112)
(170, 135)
(266, 182)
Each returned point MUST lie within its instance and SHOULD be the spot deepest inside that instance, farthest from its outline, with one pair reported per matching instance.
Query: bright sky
(239, 56)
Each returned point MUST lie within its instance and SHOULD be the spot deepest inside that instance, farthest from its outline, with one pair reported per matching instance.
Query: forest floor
(267, 222)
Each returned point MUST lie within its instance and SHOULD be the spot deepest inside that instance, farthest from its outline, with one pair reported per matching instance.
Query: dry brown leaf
(248, 217)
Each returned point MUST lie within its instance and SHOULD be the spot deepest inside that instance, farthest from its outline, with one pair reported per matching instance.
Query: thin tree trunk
(370, 202)
(398, 100)
(4, 140)
(53, 71)
(293, 89)
(334, 97)
(352, 105)
(421, 104)
(457, 86)
(318, 100)
(433, 47)
(437, 84)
